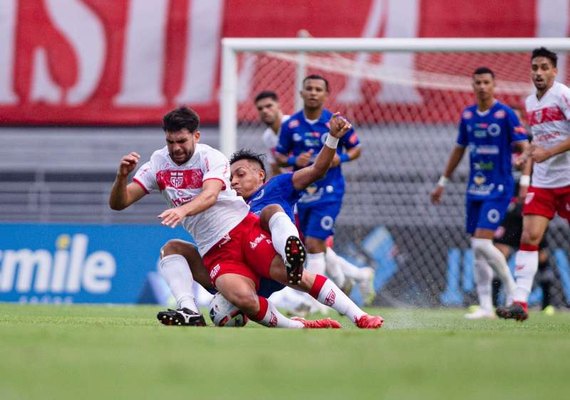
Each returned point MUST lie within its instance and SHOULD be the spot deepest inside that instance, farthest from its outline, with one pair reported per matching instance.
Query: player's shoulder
(560, 90)
(501, 110)
(294, 120)
(159, 155)
(468, 112)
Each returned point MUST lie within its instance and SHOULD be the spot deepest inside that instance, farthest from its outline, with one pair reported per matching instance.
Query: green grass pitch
(116, 352)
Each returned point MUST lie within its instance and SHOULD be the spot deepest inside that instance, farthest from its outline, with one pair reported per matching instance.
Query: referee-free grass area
(117, 352)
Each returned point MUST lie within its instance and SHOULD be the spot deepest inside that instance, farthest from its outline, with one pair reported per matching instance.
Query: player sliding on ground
(237, 252)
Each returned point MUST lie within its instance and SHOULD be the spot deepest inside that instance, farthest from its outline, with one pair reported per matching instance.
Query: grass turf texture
(112, 352)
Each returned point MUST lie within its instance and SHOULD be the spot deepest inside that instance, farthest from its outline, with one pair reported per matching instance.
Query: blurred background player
(548, 112)
(490, 130)
(341, 271)
(269, 111)
(508, 235)
(301, 138)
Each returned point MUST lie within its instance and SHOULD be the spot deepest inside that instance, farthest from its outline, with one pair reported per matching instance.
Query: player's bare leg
(329, 294)
(240, 291)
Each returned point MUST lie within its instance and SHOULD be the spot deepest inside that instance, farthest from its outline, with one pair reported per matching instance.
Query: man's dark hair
(319, 77)
(180, 118)
(266, 94)
(484, 70)
(250, 155)
(544, 52)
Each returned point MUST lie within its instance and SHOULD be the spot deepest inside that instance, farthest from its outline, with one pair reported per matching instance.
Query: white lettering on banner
(203, 38)
(86, 35)
(144, 65)
(552, 21)
(7, 51)
(401, 20)
(47, 274)
(43, 87)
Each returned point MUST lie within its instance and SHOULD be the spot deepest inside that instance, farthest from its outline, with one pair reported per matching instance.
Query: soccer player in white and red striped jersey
(548, 113)
(194, 180)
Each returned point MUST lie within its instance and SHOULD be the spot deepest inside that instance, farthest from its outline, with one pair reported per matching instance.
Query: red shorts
(547, 202)
(246, 251)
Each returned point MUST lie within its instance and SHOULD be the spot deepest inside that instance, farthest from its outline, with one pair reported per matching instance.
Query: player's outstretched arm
(452, 163)
(302, 178)
(123, 194)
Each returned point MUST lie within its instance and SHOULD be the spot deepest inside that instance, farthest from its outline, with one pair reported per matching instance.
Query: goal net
(404, 98)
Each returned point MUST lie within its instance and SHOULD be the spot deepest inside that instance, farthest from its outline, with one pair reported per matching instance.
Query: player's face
(314, 94)
(483, 86)
(181, 145)
(542, 73)
(268, 110)
(246, 177)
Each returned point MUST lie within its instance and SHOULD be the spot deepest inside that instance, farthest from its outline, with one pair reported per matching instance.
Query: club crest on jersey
(538, 116)
(176, 178)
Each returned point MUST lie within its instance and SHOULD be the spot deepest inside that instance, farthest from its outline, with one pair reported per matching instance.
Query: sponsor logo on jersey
(297, 137)
(311, 189)
(180, 179)
(484, 166)
(494, 129)
(467, 114)
(479, 134)
(487, 149)
(499, 114)
(330, 299)
(293, 124)
(520, 129)
(257, 240)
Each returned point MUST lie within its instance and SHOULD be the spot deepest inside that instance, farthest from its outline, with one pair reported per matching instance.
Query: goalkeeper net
(405, 105)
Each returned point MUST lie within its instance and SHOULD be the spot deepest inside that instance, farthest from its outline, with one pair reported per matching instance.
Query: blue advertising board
(53, 263)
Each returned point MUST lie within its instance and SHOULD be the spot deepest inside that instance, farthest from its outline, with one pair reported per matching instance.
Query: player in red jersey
(548, 112)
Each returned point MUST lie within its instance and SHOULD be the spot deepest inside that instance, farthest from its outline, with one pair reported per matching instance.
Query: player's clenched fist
(339, 125)
(128, 163)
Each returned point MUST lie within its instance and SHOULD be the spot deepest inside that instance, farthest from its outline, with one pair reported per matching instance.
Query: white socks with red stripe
(329, 294)
(526, 265)
(496, 259)
(176, 272)
(269, 316)
(281, 227)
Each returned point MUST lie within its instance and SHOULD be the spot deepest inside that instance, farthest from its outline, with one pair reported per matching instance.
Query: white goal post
(232, 46)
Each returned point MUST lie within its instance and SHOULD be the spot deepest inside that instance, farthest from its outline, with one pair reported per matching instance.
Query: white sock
(330, 295)
(333, 268)
(349, 270)
(484, 281)
(176, 272)
(497, 261)
(269, 316)
(526, 265)
(281, 227)
(316, 263)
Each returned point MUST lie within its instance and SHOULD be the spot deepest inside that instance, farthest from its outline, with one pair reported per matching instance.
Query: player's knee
(531, 237)
(173, 246)
(245, 300)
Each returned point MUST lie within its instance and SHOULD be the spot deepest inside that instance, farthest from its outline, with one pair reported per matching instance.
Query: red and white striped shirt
(549, 124)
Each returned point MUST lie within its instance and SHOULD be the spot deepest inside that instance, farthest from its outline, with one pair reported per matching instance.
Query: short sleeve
(146, 177)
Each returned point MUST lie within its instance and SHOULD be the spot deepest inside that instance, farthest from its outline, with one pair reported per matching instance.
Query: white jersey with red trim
(270, 140)
(179, 184)
(549, 123)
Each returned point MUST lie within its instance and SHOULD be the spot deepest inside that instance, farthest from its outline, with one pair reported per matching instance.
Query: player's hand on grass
(128, 164)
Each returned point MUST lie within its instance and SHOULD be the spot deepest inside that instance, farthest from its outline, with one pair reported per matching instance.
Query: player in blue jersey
(270, 202)
(302, 136)
(491, 132)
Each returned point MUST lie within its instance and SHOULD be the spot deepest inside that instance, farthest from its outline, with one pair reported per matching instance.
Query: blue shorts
(317, 218)
(485, 214)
